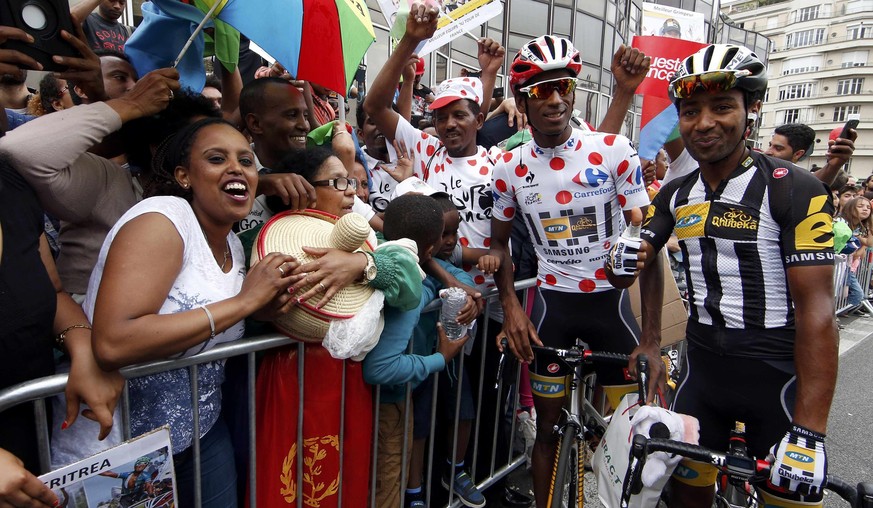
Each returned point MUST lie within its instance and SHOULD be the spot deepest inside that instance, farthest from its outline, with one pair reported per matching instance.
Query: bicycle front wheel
(567, 481)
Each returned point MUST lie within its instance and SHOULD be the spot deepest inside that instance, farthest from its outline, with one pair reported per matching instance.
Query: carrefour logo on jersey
(591, 177)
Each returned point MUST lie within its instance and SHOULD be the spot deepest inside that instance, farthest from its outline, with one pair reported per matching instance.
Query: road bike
(581, 422)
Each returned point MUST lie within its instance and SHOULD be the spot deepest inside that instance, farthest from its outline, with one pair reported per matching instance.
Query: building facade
(820, 71)
(596, 27)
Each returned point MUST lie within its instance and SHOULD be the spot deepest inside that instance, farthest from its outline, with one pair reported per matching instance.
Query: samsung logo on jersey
(691, 220)
(809, 256)
(556, 228)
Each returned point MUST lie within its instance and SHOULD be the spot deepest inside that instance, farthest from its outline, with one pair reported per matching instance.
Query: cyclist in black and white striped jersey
(757, 242)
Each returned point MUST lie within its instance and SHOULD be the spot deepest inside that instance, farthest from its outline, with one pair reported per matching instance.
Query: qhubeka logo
(733, 223)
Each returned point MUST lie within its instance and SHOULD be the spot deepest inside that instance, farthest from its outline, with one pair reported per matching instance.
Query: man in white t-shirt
(453, 162)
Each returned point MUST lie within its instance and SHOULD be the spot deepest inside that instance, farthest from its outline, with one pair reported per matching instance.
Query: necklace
(226, 249)
(226, 254)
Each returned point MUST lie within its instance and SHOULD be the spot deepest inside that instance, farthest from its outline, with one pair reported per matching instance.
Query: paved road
(850, 439)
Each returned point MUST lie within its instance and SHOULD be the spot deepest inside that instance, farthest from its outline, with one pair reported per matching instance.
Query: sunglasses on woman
(715, 81)
(342, 183)
(545, 89)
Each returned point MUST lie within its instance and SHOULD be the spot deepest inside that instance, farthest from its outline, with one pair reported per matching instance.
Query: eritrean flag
(659, 117)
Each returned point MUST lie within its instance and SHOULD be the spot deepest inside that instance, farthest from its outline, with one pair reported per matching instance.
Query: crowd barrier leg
(841, 280)
(251, 381)
(864, 275)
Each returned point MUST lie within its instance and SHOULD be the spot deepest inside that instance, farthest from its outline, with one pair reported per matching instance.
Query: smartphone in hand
(851, 124)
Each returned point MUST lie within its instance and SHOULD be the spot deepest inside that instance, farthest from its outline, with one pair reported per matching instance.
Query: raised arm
(491, 55)
(404, 98)
(82, 9)
(60, 172)
(629, 68)
(839, 152)
(420, 25)
(231, 86)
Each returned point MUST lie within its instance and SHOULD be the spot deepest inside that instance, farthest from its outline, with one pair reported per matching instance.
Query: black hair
(14, 78)
(141, 134)
(306, 163)
(49, 90)
(213, 81)
(112, 52)
(173, 152)
(445, 202)
(361, 115)
(799, 136)
(414, 216)
(251, 98)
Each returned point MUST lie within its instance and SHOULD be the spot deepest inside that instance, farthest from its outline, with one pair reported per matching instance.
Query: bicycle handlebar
(575, 356)
(736, 467)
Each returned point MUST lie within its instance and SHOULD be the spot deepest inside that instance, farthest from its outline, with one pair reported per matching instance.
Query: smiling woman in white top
(170, 281)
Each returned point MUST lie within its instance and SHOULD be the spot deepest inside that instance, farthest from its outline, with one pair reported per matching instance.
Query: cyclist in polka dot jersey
(575, 190)
(453, 162)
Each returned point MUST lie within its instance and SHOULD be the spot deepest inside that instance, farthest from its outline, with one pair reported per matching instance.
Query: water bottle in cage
(453, 301)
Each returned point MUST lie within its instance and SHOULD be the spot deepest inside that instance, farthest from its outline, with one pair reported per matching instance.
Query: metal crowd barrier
(864, 275)
(38, 391)
(841, 283)
(502, 460)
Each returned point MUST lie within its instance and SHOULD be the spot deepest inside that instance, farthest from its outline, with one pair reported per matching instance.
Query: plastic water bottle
(453, 301)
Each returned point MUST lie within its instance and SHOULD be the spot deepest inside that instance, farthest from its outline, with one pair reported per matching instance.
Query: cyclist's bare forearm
(651, 297)
(517, 328)
(651, 303)
(503, 277)
(815, 344)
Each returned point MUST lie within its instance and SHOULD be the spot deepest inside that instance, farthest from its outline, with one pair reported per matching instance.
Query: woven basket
(288, 232)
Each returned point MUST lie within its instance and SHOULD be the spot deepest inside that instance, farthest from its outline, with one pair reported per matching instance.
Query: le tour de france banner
(457, 17)
(135, 474)
(668, 36)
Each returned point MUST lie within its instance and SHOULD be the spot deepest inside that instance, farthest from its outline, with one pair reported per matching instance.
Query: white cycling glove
(623, 255)
(801, 463)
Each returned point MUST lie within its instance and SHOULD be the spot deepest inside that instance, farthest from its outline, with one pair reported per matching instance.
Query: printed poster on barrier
(135, 474)
(666, 21)
(457, 17)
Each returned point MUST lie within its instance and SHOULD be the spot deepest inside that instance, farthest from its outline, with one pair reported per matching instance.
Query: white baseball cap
(454, 89)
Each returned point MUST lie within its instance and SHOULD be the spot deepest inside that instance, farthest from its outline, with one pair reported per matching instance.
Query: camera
(43, 20)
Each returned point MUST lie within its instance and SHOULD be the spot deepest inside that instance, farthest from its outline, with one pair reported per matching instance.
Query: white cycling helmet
(749, 72)
(545, 53)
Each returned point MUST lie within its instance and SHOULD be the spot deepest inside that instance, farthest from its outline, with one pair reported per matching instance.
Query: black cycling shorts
(720, 390)
(603, 320)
